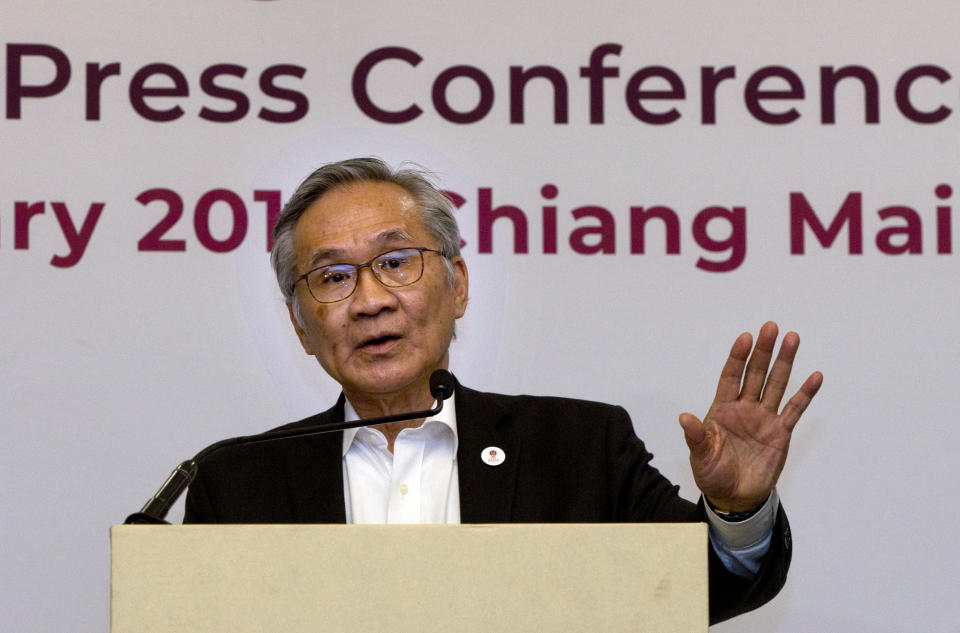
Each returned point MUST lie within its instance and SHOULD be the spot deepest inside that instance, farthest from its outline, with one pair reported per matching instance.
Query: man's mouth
(379, 342)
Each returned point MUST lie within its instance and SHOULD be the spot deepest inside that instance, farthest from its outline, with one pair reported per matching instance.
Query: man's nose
(371, 297)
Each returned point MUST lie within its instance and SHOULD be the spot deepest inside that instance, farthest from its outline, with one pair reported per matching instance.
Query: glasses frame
(368, 264)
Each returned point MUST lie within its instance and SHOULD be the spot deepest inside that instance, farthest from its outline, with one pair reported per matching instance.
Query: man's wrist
(746, 533)
(732, 516)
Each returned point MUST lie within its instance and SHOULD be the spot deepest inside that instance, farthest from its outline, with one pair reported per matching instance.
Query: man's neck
(379, 405)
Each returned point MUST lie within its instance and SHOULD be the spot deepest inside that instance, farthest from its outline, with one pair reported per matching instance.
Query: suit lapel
(486, 492)
(315, 464)
(315, 472)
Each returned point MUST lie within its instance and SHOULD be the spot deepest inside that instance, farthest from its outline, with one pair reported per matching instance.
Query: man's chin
(405, 375)
(386, 381)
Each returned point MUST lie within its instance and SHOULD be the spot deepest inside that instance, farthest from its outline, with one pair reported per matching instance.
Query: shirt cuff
(742, 545)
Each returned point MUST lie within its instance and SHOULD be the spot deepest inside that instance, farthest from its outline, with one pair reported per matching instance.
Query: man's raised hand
(739, 449)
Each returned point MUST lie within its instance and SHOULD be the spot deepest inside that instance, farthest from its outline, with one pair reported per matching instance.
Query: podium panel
(510, 578)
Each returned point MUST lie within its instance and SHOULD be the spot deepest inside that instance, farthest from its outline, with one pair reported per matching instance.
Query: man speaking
(368, 260)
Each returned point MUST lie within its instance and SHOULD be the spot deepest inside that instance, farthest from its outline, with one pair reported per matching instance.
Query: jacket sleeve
(198, 508)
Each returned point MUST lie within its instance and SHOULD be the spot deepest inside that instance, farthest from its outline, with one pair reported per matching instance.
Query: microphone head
(441, 384)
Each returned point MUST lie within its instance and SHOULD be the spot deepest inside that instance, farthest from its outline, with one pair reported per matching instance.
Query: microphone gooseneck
(154, 511)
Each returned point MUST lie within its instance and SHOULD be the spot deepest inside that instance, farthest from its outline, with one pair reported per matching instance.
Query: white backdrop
(119, 362)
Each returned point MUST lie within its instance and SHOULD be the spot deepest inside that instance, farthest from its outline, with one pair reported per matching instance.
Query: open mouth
(379, 342)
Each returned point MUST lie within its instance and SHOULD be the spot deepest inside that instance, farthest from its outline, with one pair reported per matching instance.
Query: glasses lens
(398, 268)
(332, 283)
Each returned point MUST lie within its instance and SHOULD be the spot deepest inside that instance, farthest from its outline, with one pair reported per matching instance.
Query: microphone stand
(156, 508)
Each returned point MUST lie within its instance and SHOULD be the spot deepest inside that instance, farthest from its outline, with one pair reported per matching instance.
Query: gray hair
(436, 211)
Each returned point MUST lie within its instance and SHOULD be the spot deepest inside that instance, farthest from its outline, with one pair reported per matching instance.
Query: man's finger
(728, 389)
(800, 400)
(780, 373)
(759, 361)
(693, 433)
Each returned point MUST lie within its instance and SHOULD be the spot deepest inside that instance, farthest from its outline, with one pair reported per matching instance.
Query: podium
(510, 578)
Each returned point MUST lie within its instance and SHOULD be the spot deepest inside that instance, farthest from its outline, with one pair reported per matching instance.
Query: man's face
(379, 341)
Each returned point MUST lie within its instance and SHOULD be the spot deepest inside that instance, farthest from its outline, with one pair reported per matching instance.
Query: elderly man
(368, 261)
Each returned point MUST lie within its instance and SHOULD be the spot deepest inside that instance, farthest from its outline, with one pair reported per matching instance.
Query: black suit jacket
(566, 461)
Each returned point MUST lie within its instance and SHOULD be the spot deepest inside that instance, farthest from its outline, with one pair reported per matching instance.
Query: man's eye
(394, 262)
(335, 276)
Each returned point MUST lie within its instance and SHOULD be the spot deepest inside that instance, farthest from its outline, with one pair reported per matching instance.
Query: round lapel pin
(493, 456)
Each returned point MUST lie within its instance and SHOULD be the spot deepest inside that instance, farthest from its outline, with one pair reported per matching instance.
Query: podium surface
(403, 578)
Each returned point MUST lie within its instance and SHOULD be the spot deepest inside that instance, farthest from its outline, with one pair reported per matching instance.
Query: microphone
(441, 385)
(156, 508)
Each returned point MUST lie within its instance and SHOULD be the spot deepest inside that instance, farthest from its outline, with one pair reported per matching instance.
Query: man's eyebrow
(393, 235)
(325, 255)
(338, 255)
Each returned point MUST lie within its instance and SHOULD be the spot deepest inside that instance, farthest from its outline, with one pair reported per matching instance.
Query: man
(368, 261)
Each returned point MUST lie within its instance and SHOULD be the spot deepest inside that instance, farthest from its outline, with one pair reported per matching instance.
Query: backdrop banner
(636, 184)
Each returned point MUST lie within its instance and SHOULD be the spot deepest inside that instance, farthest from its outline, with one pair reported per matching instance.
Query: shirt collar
(447, 416)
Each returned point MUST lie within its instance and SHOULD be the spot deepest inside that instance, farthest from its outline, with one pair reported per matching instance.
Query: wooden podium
(510, 578)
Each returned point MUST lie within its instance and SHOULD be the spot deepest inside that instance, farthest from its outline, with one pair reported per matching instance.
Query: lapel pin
(493, 456)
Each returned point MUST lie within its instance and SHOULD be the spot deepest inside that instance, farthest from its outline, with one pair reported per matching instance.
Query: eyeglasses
(393, 269)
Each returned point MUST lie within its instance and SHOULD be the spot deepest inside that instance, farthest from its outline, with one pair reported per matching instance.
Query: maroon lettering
(944, 228)
(274, 201)
(201, 220)
(208, 83)
(903, 94)
(850, 214)
(139, 92)
(830, 77)
(736, 242)
(912, 231)
(596, 72)
(605, 231)
(753, 95)
(95, 77)
(154, 240)
(635, 94)
(23, 212)
(671, 228)
(710, 78)
(484, 103)
(487, 215)
(549, 192)
(359, 85)
(17, 91)
(77, 241)
(299, 100)
(518, 81)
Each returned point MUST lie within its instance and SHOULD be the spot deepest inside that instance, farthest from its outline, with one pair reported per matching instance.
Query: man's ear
(299, 330)
(461, 285)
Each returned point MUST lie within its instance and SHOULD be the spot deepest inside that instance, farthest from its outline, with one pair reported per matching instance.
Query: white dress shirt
(418, 483)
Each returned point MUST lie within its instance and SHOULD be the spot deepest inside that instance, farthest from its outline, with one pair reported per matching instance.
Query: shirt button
(404, 489)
